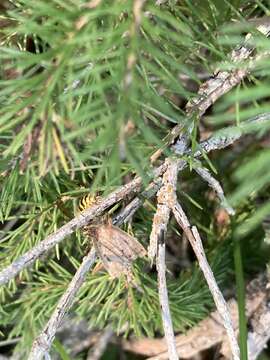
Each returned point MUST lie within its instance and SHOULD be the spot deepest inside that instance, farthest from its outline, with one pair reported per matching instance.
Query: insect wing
(121, 243)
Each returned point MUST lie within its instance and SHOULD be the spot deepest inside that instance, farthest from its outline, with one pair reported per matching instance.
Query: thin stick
(10, 341)
(195, 241)
(218, 141)
(216, 293)
(165, 197)
(2, 357)
(125, 214)
(227, 136)
(164, 302)
(215, 185)
(43, 342)
(101, 345)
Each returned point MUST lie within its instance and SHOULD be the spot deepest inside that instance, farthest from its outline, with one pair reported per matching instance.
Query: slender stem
(222, 307)
(43, 342)
(164, 303)
(215, 185)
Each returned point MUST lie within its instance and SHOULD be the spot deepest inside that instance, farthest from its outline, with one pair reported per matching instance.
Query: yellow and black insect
(116, 248)
(88, 201)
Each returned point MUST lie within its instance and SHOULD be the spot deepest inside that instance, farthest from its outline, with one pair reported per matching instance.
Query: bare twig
(195, 241)
(165, 197)
(2, 357)
(125, 214)
(164, 302)
(9, 341)
(42, 344)
(229, 135)
(218, 141)
(101, 345)
(215, 185)
(213, 287)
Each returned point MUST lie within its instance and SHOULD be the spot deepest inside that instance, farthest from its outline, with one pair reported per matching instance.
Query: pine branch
(209, 92)
(218, 141)
(43, 342)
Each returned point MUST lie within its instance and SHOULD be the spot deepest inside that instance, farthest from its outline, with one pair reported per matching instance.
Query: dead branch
(164, 303)
(215, 185)
(218, 141)
(125, 214)
(195, 241)
(165, 197)
(226, 137)
(42, 344)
